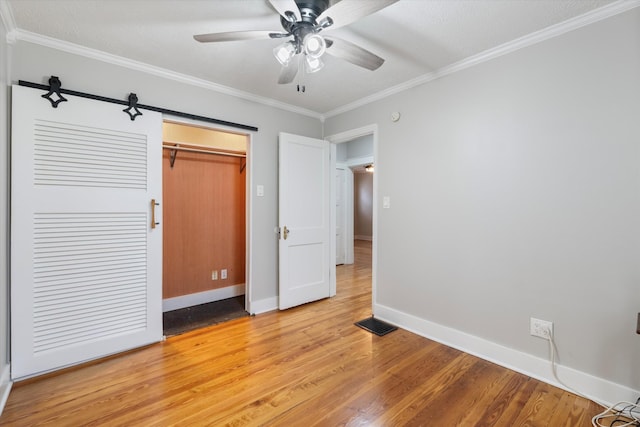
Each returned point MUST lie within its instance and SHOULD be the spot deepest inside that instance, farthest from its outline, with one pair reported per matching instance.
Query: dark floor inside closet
(186, 319)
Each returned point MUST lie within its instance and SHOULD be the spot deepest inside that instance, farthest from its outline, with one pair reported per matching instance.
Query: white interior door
(340, 216)
(349, 255)
(86, 265)
(304, 215)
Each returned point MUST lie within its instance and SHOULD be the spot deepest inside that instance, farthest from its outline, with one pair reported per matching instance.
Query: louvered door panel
(86, 266)
(71, 155)
(89, 277)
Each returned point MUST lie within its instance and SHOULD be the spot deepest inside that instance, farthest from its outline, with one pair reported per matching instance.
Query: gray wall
(36, 63)
(360, 147)
(528, 201)
(354, 149)
(4, 209)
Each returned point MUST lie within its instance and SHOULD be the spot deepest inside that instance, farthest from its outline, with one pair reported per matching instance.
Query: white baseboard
(202, 297)
(5, 386)
(369, 238)
(264, 305)
(597, 389)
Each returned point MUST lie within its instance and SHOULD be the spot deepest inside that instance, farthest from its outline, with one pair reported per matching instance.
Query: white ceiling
(416, 37)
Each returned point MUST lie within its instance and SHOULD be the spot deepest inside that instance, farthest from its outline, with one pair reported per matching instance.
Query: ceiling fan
(304, 20)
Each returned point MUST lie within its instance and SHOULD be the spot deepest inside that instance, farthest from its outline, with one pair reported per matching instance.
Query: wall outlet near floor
(214, 275)
(541, 328)
(223, 273)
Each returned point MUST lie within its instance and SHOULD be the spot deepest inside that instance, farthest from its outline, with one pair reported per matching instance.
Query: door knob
(285, 232)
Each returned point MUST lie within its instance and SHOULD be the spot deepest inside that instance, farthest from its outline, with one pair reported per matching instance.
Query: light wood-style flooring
(308, 366)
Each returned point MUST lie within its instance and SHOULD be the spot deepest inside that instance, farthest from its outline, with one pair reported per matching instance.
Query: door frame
(347, 221)
(248, 295)
(340, 138)
(349, 190)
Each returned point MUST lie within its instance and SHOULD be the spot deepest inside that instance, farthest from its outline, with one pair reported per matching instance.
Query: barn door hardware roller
(55, 91)
(132, 109)
(55, 97)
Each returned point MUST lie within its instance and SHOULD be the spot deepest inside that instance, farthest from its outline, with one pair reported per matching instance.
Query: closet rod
(196, 150)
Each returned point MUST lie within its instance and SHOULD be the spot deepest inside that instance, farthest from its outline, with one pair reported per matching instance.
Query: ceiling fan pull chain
(300, 86)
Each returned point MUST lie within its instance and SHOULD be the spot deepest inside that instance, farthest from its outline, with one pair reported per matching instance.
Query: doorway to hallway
(355, 150)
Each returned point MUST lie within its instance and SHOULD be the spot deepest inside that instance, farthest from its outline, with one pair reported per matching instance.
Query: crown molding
(593, 16)
(6, 16)
(76, 49)
(612, 9)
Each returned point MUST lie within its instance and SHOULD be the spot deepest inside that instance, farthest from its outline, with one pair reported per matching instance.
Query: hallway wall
(363, 206)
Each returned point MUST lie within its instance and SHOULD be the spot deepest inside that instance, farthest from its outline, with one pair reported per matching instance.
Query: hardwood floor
(302, 367)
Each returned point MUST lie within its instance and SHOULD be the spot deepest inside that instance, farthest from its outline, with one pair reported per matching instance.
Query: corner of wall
(5, 371)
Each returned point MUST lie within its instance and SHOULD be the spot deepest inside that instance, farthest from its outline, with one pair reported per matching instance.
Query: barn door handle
(153, 213)
(285, 232)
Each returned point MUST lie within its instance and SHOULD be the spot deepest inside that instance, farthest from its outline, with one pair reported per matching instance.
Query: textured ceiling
(416, 37)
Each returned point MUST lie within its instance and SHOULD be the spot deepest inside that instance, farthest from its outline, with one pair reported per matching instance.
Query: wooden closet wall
(203, 222)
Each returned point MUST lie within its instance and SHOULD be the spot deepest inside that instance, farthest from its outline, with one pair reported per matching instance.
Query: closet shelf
(174, 148)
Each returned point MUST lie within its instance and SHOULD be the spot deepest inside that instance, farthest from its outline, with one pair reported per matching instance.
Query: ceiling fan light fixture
(312, 64)
(304, 20)
(326, 22)
(314, 45)
(284, 52)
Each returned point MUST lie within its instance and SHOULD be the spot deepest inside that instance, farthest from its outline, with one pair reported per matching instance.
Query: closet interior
(203, 214)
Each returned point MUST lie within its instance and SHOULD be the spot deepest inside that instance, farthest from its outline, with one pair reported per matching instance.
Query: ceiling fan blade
(347, 11)
(288, 73)
(284, 6)
(355, 54)
(234, 36)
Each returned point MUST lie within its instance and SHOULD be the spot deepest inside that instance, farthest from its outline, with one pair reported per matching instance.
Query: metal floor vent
(376, 326)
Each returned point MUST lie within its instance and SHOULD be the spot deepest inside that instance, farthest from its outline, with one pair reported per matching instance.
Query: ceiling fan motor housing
(303, 21)
(309, 12)
(311, 9)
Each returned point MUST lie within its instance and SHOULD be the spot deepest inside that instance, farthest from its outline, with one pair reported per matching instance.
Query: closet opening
(204, 226)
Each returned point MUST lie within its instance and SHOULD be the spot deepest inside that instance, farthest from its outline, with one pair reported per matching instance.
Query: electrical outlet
(541, 328)
(214, 275)
(223, 273)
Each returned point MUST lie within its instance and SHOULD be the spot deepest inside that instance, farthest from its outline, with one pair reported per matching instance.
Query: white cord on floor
(629, 410)
(552, 349)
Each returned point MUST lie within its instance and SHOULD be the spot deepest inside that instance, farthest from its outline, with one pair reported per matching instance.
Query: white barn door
(86, 265)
